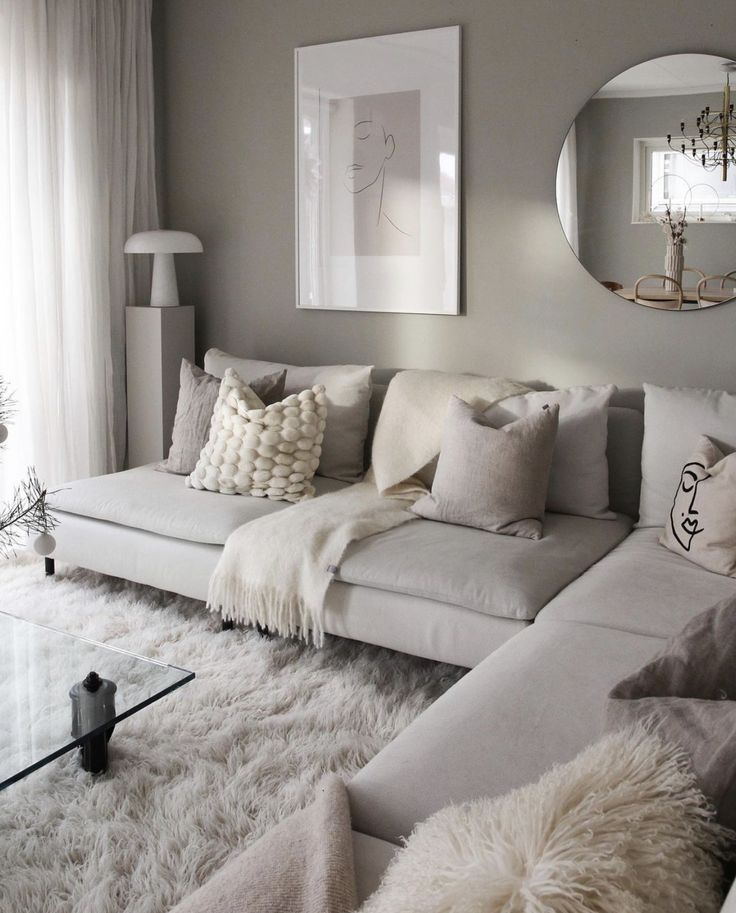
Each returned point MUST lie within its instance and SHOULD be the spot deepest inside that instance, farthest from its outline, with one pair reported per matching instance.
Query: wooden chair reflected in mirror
(726, 281)
(662, 298)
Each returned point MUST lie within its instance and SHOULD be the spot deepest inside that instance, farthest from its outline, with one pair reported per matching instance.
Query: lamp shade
(163, 245)
(162, 241)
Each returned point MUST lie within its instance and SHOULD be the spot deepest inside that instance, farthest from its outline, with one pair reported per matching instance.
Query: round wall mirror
(646, 183)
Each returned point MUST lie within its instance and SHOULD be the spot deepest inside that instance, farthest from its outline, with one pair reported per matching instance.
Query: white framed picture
(378, 173)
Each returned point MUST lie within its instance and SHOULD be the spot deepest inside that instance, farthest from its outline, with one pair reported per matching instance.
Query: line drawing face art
(684, 516)
(373, 149)
(375, 181)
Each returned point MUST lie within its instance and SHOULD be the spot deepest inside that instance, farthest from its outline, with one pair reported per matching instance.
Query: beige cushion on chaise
(640, 587)
(507, 576)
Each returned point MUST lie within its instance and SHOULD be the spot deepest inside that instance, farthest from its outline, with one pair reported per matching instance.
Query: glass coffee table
(59, 691)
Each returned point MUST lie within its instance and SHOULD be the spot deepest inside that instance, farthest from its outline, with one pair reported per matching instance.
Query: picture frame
(378, 173)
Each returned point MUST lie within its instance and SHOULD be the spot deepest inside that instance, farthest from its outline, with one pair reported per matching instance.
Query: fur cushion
(266, 451)
(620, 829)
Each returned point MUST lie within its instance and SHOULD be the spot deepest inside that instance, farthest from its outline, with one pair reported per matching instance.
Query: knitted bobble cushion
(265, 451)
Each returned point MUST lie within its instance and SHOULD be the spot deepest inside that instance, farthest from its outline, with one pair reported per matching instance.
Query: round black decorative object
(93, 704)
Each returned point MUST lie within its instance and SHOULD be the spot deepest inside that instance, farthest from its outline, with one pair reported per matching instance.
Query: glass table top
(38, 668)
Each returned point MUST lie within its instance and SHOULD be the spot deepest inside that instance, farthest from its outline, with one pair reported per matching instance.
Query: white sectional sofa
(448, 593)
(547, 627)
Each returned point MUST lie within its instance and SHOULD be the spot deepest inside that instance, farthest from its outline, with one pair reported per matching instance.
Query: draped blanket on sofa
(275, 571)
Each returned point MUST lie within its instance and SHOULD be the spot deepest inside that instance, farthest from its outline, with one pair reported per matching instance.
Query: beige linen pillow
(347, 398)
(265, 451)
(578, 480)
(702, 521)
(492, 478)
(198, 392)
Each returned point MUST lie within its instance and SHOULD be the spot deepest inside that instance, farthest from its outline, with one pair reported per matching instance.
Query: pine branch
(7, 403)
(27, 512)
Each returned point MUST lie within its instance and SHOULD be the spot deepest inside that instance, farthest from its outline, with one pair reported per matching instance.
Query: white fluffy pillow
(578, 480)
(622, 827)
(266, 451)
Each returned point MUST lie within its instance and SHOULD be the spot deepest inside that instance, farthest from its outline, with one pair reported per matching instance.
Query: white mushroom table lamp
(163, 245)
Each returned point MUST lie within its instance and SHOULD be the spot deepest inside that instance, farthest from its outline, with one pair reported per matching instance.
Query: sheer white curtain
(76, 178)
(567, 189)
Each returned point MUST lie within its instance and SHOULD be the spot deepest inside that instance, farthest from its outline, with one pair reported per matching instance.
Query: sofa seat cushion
(505, 576)
(161, 503)
(640, 587)
(538, 700)
(371, 858)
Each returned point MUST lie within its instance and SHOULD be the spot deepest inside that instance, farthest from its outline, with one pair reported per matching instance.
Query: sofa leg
(50, 566)
(262, 629)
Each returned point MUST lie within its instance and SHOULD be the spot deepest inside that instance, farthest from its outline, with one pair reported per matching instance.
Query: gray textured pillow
(492, 478)
(688, 694)
(348, 392)
(198, 392)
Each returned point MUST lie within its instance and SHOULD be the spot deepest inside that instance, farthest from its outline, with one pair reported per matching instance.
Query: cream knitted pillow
(266, 451)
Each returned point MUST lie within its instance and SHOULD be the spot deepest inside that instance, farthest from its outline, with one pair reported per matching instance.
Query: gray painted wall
(610, 246)
(530, 309)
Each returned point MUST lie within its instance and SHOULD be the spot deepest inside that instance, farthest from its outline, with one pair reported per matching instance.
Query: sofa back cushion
(578, 482)
(674, 420)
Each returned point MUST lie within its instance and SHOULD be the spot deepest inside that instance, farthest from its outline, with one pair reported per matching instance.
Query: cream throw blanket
(275, 570)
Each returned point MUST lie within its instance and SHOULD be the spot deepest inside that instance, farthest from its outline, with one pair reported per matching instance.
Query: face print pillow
(702, 522)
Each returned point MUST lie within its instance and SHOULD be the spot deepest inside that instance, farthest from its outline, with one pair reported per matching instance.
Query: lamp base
(164, 293)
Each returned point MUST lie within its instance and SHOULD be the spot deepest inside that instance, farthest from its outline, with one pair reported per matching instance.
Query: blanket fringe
(283, 613)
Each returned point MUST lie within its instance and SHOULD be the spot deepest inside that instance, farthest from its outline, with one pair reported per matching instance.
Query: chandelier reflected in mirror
(712, 138)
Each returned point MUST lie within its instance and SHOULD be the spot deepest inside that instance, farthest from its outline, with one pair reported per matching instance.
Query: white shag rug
(200, 774)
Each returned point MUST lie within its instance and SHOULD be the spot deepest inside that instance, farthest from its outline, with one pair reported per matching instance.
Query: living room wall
(225, 120)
